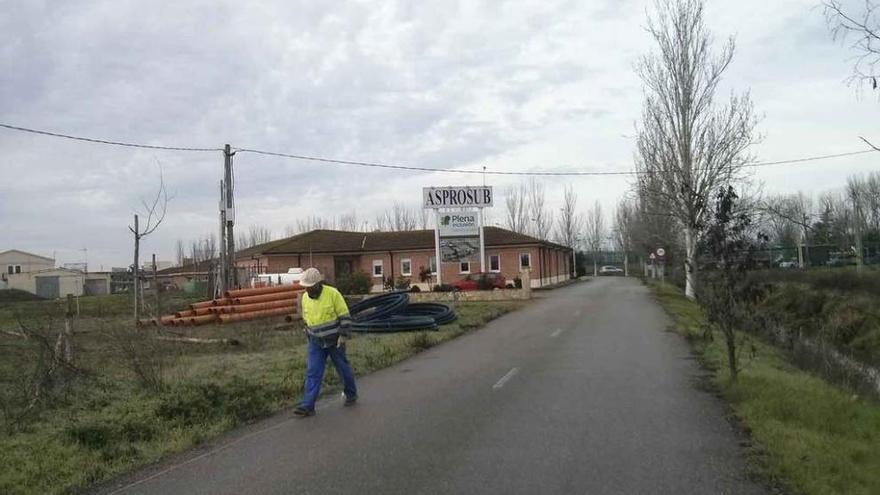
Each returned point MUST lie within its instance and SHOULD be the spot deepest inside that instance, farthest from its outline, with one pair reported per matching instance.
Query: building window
(406, 267)
(525, 260)
(494, 262)
(17, 268)
(9, 269)
(432, 262)
(465, 267)
(377, 268)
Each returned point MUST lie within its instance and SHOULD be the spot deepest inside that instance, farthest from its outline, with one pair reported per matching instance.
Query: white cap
(310, 277)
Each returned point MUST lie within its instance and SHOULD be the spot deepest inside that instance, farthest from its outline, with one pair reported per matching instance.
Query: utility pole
(231, 281)
(134, 271)
(860, 250)
(222, 272)
(158, 311)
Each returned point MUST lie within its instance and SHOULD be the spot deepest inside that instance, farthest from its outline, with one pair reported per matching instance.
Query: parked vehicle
(786, 264)
(481, 281)
(610, 270)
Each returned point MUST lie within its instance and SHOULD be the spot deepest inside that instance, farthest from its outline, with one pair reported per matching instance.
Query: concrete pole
(135, 274)
(231, 277)
(158, 311)
(222, 273)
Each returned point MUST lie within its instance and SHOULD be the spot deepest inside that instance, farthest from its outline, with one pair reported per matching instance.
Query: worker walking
(328, 324)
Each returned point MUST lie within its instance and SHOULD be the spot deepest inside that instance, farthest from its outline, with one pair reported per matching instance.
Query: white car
(610, 270)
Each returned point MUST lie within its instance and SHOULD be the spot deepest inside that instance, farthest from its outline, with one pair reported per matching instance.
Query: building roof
(200, 267)
(338, 241)
(32, 255)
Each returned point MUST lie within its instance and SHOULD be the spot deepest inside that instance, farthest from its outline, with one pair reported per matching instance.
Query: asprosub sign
(457, 197)
(461, 230)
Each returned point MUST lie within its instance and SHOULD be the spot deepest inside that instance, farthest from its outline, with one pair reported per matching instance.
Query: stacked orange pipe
(240, 305)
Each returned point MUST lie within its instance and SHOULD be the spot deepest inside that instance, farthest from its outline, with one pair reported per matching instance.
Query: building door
(343, 266)
(96, 287)
(48, 287)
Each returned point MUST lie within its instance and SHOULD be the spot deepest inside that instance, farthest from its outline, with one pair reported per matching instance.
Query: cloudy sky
(513, 86)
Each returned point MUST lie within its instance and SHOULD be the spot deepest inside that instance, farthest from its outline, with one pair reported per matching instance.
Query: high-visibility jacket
(325, 317)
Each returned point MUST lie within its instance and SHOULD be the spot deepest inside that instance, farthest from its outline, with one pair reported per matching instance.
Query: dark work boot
(302, 412)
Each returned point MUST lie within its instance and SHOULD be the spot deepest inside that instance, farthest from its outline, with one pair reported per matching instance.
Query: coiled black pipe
(396, 324)
(392, 312)
(379, 307)
(441, 313)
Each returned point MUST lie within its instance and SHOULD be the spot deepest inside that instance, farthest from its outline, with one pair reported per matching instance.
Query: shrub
(485, 283)
(91, 435)
(517, 282)
(402, 283)
(191, 403)
(355, 283)
(415, 288)
(443, 288)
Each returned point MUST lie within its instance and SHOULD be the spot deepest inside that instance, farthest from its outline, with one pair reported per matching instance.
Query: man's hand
(340, 342)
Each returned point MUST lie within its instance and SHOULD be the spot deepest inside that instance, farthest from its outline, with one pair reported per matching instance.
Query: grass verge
(809, 436)
(105, 424)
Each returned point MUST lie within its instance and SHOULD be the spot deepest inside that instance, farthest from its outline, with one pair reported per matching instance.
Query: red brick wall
(553, 268)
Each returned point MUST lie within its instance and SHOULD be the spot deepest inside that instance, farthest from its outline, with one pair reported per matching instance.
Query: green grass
(809, 436)
(104, 424)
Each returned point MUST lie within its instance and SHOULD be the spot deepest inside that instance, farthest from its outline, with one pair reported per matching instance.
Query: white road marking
(504, 379)
(557, 332)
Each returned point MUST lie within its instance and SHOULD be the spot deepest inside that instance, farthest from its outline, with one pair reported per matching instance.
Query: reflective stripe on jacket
(325, 316)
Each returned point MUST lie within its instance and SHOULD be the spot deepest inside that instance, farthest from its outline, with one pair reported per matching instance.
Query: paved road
(581, 392)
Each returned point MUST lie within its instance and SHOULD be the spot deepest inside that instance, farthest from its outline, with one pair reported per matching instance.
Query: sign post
(456, 233)
(437, 245)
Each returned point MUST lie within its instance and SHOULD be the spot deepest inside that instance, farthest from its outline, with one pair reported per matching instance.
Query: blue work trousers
(315, 362)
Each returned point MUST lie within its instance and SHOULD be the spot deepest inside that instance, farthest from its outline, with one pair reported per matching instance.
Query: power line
(809, 159)
(104, 141)
(404, 167)
(420, 169)
(487, 172)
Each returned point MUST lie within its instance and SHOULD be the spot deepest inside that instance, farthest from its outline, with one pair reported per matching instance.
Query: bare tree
(541, 218)
(687, 145)
(595, 232)
(258, 234)
(569, 222)
(401, 218)
(348, 221)
(155, 213)
(181, 252)
(624, 220)
(381, 221)
(313, 222)
(424, 218)
(517, 217)
(856, 189)
(864, 29)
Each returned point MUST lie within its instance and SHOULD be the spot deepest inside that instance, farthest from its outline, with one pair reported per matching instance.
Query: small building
(59, 282)
(185, 277)
(14, 261)
(407, 254)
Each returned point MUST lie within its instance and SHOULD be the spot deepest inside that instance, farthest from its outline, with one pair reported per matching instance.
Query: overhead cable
(408, 167)
(494, 172)
(105, 141)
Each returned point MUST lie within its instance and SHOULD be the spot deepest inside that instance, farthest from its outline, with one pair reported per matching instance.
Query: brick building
(409, 254)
